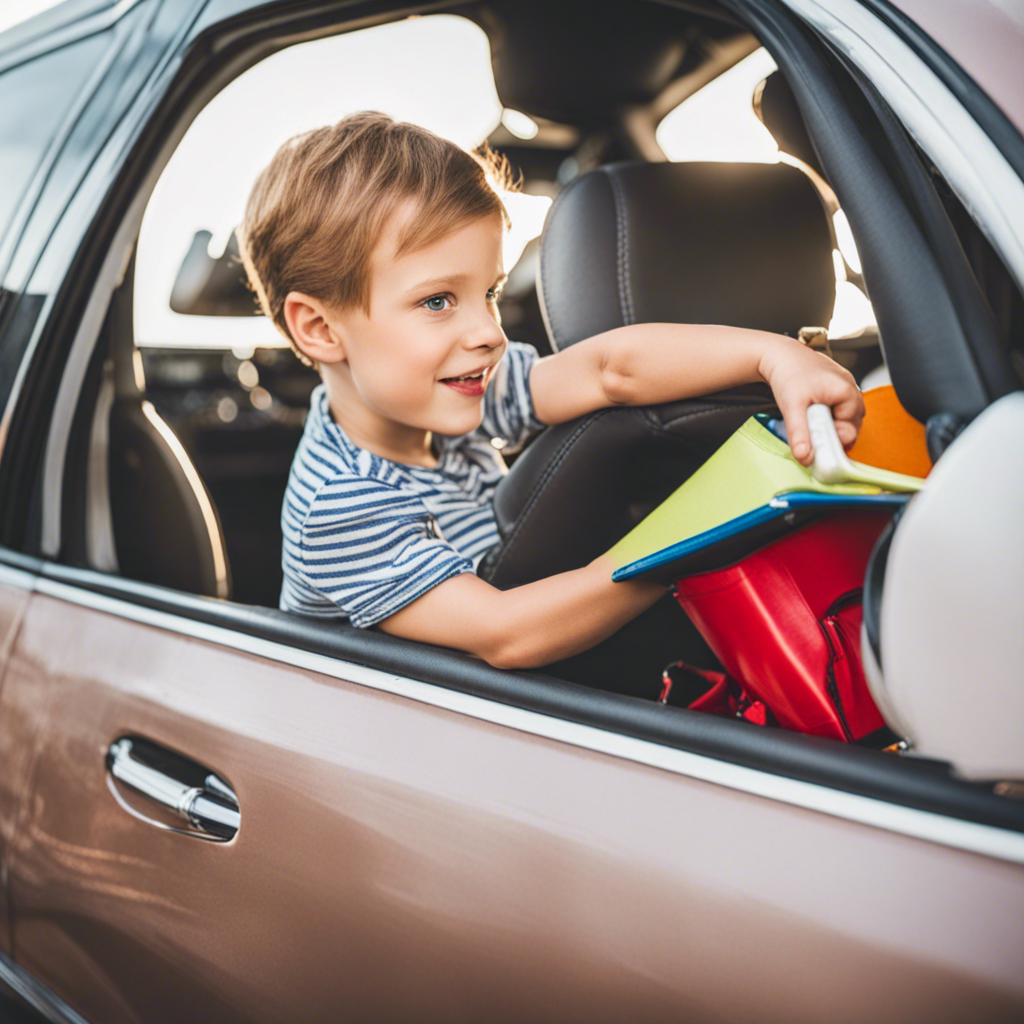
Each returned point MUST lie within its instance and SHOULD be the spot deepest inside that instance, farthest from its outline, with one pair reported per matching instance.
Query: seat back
(744, 245)
(165, 526)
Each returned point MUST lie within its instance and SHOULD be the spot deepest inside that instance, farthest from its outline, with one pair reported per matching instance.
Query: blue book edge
(778, 506)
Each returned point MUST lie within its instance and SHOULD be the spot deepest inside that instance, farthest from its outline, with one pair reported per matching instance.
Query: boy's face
(424, 356)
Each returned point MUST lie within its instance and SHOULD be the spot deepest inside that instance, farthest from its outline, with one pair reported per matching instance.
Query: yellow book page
(750, 469)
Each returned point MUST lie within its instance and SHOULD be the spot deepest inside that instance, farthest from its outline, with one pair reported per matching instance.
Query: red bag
(785, 623)
(724, 695)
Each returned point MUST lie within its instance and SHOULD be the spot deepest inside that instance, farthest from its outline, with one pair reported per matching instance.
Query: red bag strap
(724, 696)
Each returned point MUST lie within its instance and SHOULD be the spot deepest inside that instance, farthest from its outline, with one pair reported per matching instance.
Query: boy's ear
(313, 329)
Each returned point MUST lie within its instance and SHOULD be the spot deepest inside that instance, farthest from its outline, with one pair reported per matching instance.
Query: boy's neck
(394, 441)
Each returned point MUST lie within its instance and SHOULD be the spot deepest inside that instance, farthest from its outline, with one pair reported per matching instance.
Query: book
(751, 491)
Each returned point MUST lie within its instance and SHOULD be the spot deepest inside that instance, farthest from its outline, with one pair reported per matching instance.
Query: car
(214, 810)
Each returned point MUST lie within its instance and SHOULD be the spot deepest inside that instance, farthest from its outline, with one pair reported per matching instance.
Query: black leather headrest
(777, 108)
(566, 61)
(741, 244)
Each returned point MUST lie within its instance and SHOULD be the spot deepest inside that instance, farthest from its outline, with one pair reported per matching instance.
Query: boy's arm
(527, 626)
(644, 364)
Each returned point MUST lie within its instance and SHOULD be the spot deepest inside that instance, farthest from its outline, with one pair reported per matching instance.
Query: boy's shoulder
(508, 402)
(326, 443)
(328, 465)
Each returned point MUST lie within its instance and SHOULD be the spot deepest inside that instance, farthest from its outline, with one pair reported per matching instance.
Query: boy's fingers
(848, 415)
(798, 434)
(847, 432)
(850, 411)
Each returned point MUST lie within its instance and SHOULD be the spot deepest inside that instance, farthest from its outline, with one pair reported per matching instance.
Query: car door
(419, 836)
(406, 851)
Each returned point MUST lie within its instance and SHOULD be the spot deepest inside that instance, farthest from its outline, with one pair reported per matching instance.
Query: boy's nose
(485, 332)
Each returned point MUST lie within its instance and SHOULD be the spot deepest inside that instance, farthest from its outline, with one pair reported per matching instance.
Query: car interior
(194, 445)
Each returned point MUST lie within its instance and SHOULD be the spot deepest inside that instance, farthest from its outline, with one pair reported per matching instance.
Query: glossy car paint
(401, 861)
(15, 587)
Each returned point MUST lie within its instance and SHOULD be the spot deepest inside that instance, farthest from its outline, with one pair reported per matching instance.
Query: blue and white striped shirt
(365, 536)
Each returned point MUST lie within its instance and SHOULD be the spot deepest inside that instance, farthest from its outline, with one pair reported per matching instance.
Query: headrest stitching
(547, 314)
(622, 252)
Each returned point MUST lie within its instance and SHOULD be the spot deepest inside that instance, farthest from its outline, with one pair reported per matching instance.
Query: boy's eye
(493, 294)
(436, 303)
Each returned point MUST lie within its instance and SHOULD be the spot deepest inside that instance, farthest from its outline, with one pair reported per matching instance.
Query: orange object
(890, 438)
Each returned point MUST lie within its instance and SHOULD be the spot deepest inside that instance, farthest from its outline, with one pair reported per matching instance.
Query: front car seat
(740, 244)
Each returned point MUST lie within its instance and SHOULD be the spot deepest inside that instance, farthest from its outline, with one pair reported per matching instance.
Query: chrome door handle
(201, 799)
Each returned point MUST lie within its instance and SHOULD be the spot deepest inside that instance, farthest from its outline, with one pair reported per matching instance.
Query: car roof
(985, 37)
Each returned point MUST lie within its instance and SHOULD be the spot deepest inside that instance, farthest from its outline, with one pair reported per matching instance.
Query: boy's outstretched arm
(527, 626)
(644, 364)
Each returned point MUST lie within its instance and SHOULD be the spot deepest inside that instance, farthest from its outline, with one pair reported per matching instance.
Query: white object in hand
(833, 466)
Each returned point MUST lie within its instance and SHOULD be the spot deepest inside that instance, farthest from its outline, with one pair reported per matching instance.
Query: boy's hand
(799, 377)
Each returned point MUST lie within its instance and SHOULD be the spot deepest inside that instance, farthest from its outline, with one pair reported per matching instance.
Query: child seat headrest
(746, 245)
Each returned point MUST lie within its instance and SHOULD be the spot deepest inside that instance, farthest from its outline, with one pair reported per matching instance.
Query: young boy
(376, 248)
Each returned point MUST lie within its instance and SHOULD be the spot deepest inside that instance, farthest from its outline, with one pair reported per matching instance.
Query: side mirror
(952, 648)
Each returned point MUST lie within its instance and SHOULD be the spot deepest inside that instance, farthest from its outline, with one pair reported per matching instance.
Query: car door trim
(974, 837)
(48, 1004)
(110, 276)
(13, 576)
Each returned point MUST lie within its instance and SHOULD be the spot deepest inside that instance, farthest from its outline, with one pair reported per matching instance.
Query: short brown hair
(317, 211)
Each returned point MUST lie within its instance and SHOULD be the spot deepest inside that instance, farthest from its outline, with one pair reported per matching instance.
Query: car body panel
(410, 861)
(15, 589)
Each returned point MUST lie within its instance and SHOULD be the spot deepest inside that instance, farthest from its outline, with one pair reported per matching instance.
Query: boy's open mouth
(469, 384)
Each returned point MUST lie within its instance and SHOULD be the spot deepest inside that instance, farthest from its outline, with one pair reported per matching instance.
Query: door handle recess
(202, 800)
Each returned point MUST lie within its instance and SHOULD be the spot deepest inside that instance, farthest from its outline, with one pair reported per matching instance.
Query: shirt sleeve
(371, 549)
(508, 405)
